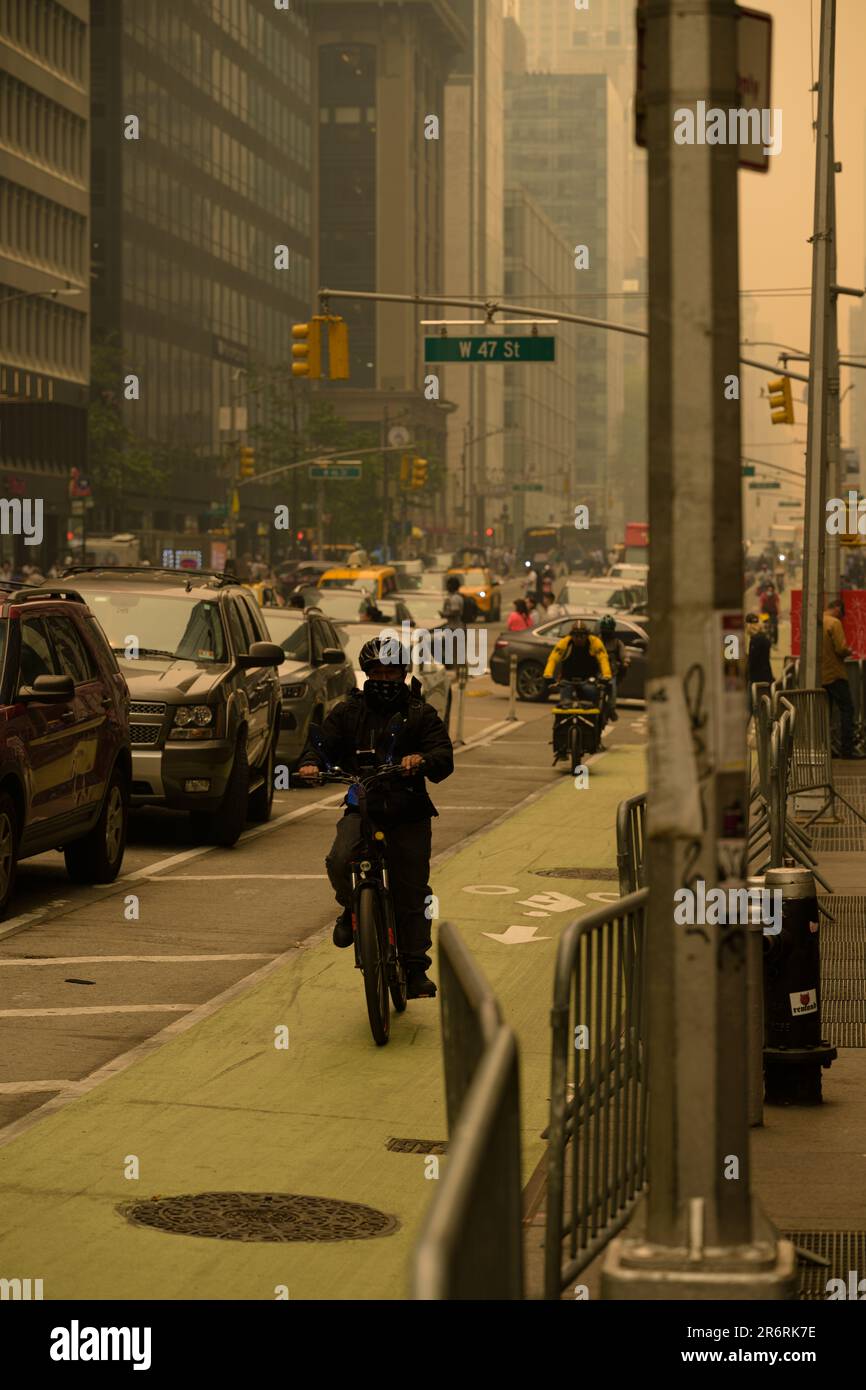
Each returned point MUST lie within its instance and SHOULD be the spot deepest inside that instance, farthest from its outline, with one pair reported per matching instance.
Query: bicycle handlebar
(336, 774)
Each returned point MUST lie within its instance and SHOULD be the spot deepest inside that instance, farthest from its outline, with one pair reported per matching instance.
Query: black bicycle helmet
(607, 624)
(371, 654)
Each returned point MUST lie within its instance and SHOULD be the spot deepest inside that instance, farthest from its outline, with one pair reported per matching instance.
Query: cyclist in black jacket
(365, 721)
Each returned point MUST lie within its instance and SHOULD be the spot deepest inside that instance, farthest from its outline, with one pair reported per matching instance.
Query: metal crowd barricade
(812, 759)
(471, 1245)
(630, 843)
(598, 1103)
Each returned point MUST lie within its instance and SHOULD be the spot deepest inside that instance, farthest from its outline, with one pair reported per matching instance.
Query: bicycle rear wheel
(372, 949)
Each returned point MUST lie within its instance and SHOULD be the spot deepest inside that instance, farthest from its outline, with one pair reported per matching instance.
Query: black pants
(408, 850)
(840, 699)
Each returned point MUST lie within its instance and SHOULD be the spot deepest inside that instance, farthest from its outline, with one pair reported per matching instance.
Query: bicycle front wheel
(575, 745)
(373, 952)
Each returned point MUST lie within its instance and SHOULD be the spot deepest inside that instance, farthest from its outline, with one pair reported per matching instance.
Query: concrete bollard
(462, 681)
(512, 687)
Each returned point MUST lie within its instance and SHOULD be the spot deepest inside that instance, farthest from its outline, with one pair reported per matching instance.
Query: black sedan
(534, 646)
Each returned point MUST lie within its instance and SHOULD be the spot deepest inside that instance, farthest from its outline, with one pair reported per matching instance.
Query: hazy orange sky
(776, 208)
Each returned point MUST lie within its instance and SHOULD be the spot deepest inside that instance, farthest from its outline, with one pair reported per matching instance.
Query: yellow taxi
(266, 594)
(478, 584)
(379, 580)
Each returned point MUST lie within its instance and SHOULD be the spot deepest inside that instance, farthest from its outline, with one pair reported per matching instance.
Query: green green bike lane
(221, 1108)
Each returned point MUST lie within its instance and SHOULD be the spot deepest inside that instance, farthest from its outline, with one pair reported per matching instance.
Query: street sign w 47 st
(526, 347)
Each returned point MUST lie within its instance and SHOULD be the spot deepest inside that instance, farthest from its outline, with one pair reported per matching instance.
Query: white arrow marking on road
(515, 935)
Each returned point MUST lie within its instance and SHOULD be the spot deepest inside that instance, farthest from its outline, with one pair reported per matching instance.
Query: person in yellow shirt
(833, 676)
(578, 657)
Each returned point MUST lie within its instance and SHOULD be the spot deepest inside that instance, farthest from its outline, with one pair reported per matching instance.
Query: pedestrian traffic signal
(419, 472)
(338, 349)
(307, 351)
(781, 402)
(248, 462)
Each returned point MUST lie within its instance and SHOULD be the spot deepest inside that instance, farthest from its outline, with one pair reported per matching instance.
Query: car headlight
(197, 716)
(482, 593)
(293, 692)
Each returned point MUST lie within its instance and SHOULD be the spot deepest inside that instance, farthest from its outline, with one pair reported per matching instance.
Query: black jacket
(759, 668)
(352, 725)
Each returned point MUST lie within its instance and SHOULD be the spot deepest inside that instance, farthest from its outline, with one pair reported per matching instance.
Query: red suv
(65, 761)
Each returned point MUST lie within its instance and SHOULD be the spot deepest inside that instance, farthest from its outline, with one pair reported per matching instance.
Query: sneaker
(342, 934)
(418, 986)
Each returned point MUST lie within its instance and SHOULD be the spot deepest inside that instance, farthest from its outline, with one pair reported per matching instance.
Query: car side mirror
(332, 656)
(48, 690)
(261, 654)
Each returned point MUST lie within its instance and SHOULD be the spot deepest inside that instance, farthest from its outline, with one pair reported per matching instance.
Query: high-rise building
(44, 260)
(541, 400)
(560, 134)
(474, 189)
(381, 70)
(202, 226)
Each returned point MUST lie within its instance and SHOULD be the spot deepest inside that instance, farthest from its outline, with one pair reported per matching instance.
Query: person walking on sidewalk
(758, 669)
(833, 676)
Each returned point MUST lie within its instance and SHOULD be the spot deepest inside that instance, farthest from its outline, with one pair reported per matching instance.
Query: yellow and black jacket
(562, 650)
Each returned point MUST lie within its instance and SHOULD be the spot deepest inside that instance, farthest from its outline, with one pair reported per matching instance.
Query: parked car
(432, 675)
(205, 711)
(314, 676)
(629, 574)
(534, 646)
(65, 757)
(600, 593)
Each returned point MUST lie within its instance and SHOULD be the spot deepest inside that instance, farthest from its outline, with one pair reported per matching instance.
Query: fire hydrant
(794, 1050)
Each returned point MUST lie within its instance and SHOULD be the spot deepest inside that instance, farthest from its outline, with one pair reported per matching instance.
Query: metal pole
(320, 511)
(834, 481)
(512, 687)
(462, 678)
(698, 1234)
(820, 350)
(385, 498)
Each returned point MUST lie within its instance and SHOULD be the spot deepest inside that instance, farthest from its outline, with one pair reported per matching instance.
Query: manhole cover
(417, 1146)
(612, 874)
(267, 1216)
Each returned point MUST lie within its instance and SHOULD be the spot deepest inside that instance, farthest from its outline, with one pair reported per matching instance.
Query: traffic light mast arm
(322, 457)
(492, 306)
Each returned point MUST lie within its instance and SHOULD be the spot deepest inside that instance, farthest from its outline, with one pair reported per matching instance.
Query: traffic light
(338, 349)
(489, 532)
(419, 472)
(781, 402)
(307, 351)
(248, 461)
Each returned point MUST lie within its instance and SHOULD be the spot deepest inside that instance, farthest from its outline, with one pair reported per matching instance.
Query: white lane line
(147, 960)
(248, 835)
(20, 1088)
(98, 1009)
(213, 878)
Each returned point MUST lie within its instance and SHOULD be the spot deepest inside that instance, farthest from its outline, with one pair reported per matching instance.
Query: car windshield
(346, 608)
(360, 583)
(175, 626)
(289, 631)
(474, 579)
(601, 596)
(409, 581)
(353, 642)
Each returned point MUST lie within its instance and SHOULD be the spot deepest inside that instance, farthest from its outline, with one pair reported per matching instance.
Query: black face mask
(384, 696)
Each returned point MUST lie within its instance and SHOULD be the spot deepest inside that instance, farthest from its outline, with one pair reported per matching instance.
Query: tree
(119, 463)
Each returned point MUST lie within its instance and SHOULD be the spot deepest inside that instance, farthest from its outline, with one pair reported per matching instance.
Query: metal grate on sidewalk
(846, 1251)
(843, 972)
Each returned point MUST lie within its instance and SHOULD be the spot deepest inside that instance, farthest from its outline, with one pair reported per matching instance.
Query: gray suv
(205, 697)
(316, 673)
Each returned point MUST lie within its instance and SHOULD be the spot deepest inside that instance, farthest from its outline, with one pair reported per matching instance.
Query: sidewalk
(219, 1108)
(809, 1163)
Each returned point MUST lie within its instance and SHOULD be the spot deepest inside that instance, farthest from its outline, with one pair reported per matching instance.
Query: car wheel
(98, 855)
(8, 850)
(262, 799)
(530, 681)
(225, 825)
